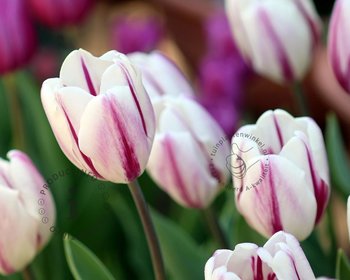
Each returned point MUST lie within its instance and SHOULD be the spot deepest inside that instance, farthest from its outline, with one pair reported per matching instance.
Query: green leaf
(183, 258)
(337, 155)
(82, 262)
(343, 266)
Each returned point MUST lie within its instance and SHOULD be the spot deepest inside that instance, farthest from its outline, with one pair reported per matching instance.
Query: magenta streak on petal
(4, 177)
(5, 265)
(278, 47)
(132, 89)
(128, 157)
(269, 200)
(271, 276)
(176, 174)
(86, 159)
(257, 268)
(275, 217)
(88, 78)
(320, 187)
(278, 130)
(38, 241)
(311, 23)
(290, 255)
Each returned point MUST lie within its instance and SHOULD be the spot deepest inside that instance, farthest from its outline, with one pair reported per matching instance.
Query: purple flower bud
(136, 34)
(17, 35)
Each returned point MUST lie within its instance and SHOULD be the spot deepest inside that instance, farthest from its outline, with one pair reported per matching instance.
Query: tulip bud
(60, 13)
(17, 36)
(27, 212)
(275, 37)
(280, 258)
(188, 156)
(160, 75)
(280, 172)
(101, 115)
(338, 43)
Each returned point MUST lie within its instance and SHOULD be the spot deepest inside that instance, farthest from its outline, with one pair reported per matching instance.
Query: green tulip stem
(148, 227)
(215, 228)
(27, 274)
(9, 82)
(300, 99)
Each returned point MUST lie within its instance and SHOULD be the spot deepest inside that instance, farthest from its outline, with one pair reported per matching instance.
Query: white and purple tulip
(27, 211)
(276, 37)
(284, 174)
(280, 258)
(160, 75)
(101, 115)
(188, 156)
(339, 43)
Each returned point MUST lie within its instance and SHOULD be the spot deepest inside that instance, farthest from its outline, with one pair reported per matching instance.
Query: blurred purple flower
(222, 74)
(60, 13)
(130, 34)
(17, 35)
(45, 64)
(219, 35)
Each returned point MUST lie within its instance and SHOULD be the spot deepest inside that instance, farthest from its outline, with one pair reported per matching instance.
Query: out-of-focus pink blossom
(17, 35)
(59, 13)
(131, 34)
(45, 64)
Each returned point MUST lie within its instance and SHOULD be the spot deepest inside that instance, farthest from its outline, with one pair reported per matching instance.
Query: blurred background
(196, 36)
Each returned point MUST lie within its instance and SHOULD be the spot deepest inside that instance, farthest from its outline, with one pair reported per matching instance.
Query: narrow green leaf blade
(337, 156)
(343, 266)
(82, 262)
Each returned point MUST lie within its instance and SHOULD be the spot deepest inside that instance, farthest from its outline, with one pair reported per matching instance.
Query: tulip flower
(160, 75)
(280, 172)
(188, 156)
(338, 43)
(280, 258)
(101, 115)
(26, 215)
(60, 13)
(17, 36)
(275, 37)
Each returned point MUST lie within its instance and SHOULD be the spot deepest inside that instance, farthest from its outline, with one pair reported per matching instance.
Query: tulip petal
(289, 261)
(82, 69)
(160, 75)
(18, 242)
(273, 204)
(112, 135)
(298, 151)
(121, 74)
(183, 174)
(30, 184)
(317, 146)
(63, 107)
(5, 180)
